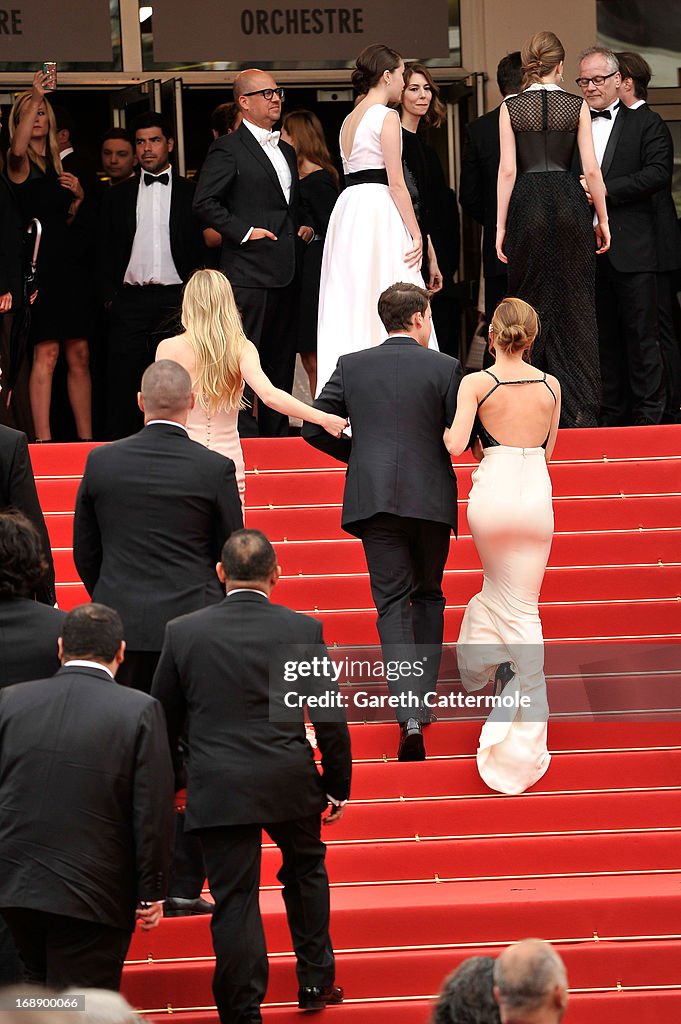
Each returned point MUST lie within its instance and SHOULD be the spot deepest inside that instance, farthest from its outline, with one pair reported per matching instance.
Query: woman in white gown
(219, 358)
(373, 239)
(513, 411)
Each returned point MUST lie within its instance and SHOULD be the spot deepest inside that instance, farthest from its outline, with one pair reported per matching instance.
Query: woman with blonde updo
(545, 226)
(510, 413)
(219, 358)
(373, 238)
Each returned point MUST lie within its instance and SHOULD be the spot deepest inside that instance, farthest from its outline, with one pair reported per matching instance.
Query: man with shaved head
(248, 192)
(152, 514)
(530, 984)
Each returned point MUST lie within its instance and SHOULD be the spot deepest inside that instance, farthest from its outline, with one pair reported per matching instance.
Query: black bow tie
(149, 179)
(603, 113)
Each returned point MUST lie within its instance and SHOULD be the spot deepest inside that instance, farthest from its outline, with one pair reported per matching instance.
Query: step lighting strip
(459, 837)
(554, 753)
(555, 463)
(579, 940)
(520, 796)
(605, 496)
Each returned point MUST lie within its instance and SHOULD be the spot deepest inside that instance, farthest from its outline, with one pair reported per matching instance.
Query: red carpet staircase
(428, 866)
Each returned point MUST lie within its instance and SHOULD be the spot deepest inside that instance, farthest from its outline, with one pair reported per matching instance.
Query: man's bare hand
(258, 233)
(334, 815)
(306, 233)
(149, 915)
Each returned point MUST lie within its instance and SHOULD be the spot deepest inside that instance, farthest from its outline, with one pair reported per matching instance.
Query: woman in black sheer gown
(545, 229)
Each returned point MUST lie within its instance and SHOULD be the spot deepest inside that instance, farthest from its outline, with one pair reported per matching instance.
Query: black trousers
(269, 318)
(670, 343)
(139, 318)
(629, 349)
(187, 870)
(233, 861)
(406, 560)
(62, 952)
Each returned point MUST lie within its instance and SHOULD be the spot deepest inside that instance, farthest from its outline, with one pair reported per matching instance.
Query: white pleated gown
(510, 514)
(363, 255)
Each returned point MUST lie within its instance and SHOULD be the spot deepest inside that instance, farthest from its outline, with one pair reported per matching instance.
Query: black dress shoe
(312, 997)
(176, 906)
(411, 742)
(503, 676)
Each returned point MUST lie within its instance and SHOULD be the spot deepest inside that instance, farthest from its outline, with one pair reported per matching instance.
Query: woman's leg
(45, 356)
(78, 385)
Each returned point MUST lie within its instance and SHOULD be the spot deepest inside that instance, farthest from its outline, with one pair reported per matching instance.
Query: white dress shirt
(274, 155)
(637, 104)
(84, 663)
(169, 423)
(601, 128)
(151, 260)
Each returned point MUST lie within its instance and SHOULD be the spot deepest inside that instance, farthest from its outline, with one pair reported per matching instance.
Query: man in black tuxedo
(400, 488)
(251, 767)
(77, 749)
(18, 490)
(29, 630)
(478, 183)
(249, 193)
(634, 157)
(149, 244)
(636, 75)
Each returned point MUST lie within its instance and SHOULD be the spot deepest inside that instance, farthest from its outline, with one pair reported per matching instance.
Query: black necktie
(149, 179)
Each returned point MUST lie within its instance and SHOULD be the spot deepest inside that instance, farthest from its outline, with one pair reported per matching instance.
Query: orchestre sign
(249, 31)
(51, 30)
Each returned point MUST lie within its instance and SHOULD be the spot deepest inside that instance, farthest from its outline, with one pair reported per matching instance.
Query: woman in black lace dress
(545, 227)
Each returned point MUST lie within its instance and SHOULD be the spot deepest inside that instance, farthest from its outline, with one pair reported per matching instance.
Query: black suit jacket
(12, 243)
(399, 398)
(247, 765)
(17, 489)
(28, 640)
(86, 810)
(636, 164)
(118, 223)
(667, 230)
(239, 189)
(152, 514)
(478, 184)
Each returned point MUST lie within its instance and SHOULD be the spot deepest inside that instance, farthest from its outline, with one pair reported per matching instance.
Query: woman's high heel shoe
(502, 677)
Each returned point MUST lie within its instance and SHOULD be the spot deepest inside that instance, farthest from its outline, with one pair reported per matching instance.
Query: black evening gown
(318, 195)
(551, 250)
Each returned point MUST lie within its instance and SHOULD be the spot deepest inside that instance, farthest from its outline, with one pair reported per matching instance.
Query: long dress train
(510, 515)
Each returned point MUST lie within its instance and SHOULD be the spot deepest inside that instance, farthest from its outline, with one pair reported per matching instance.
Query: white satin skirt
(510, 514)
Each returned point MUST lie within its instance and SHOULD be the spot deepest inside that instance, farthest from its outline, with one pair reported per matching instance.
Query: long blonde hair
(216, 336)
(52, 145)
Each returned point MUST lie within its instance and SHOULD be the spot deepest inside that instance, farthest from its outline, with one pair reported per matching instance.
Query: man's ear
(140, 401)
(276, 573)
(171, 145)
(220, 571)
(60, 648)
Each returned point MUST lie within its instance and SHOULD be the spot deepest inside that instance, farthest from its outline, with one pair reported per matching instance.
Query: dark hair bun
(361, 81)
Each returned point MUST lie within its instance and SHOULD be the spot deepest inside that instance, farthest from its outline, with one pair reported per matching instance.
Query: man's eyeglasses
(266, 94)
(596, 80)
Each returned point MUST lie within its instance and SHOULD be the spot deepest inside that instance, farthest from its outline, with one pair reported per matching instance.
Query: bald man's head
(166, 392)
(530, 983)
(249, 87)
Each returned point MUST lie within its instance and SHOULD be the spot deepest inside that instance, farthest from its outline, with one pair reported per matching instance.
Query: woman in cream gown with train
(513, 411)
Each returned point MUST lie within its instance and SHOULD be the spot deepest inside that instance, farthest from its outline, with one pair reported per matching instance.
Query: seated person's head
(530, 983)
(118, 155)
(248, 559)
(166, 392)
(466, 996)
(92, 632)
(404, 308)
(22, 562)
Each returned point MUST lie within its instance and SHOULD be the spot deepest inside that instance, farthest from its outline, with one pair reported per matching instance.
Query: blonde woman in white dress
(513, 410)
(373, 239)
(219, 359)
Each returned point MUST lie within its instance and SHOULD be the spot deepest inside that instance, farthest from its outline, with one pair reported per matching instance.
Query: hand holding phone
(50, 70)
